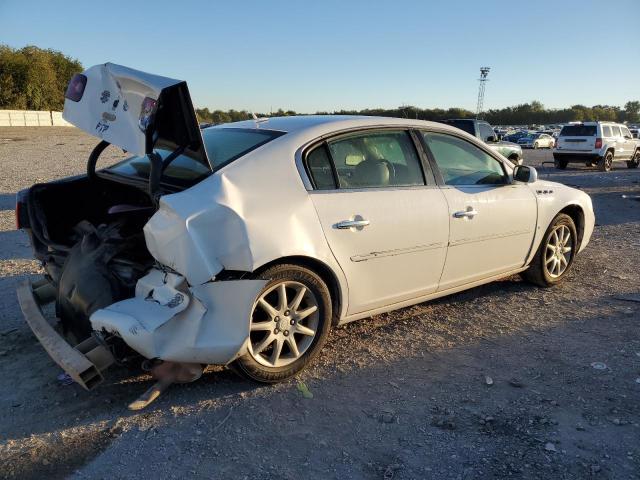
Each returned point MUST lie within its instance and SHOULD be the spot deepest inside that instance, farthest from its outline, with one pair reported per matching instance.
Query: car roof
(324, 124)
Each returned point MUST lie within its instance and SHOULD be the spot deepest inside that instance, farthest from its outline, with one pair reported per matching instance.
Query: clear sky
(327, 55)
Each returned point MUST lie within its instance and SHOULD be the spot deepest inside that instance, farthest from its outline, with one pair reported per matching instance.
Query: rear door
(386, 222)
(577, 138)
(618, 142)
(629, 143)
(491, 221)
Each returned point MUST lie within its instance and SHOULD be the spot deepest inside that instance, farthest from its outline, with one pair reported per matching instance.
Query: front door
(492, 221)
(386, 225)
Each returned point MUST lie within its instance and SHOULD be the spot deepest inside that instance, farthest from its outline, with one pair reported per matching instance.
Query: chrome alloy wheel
(284, 322)
(559, 251)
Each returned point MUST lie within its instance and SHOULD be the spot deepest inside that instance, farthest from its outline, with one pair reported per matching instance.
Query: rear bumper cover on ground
(85, 362)
(170, 320)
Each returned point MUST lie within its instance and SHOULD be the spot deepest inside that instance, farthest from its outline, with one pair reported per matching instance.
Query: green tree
(632, 111)
(33, 78)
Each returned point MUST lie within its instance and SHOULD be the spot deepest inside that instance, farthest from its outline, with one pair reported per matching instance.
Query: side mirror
(525, 174)
(492, 139)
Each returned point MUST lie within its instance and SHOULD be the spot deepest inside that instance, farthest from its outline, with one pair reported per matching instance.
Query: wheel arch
(576, 213)
(323, 270)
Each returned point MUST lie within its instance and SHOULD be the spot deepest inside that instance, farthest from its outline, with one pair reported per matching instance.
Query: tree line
(524, 114)
(32, 78)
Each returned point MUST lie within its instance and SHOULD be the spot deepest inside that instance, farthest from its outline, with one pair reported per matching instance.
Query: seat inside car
(371, 173)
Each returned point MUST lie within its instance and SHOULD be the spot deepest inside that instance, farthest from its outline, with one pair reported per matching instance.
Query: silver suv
(596, 143)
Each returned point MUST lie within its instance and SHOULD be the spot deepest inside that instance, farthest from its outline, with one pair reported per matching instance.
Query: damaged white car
(243, 244)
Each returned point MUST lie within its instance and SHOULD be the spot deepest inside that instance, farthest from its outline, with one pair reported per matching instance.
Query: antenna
(484, 72)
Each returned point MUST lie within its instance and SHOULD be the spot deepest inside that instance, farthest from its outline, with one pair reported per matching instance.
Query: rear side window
(578, 131)
(606, 131)
(615, 131)
(319, 167)
(462, 163)
(366, 160)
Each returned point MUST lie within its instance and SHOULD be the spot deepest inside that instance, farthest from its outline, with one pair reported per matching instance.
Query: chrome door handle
(346, 224)
(470, 213)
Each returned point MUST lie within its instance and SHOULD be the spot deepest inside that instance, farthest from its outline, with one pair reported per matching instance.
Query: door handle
(356, 223)
(468, 213)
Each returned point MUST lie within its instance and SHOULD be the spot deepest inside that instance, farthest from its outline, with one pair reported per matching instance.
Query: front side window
(462, 163)
(486, 131)
(625, 132)
(375, 160)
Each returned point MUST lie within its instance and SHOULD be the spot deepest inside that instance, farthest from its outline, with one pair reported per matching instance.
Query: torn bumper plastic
(168, 320)
(86, 361)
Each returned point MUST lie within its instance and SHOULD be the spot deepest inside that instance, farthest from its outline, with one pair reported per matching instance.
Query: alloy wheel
(284, 322)
(558, 251)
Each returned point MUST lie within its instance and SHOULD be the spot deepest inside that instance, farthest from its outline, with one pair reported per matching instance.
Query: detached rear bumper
(85, 362)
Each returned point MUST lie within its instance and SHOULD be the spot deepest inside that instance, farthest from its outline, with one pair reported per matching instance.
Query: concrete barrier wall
(31, 118)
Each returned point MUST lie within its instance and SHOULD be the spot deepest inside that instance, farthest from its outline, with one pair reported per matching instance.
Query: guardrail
(32, 118)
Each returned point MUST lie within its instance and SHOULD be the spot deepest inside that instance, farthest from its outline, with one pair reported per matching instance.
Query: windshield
(578, 131)
(223, 146)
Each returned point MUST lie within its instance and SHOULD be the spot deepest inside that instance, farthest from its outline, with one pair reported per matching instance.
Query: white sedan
(244, 244)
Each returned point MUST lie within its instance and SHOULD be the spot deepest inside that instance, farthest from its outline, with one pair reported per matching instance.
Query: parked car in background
(243, 244)
(536, 140)
(596, 143)
(485, 132)
(635, 132)
(514, 137)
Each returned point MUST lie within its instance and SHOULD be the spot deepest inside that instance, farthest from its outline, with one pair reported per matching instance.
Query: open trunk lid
(134, 110)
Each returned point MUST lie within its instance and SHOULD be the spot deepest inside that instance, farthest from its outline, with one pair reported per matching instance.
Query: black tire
(635, 161)
(248, 367)
(606, 162)
(535, 145)
(516, 160)
(538, 273)
(560, 164)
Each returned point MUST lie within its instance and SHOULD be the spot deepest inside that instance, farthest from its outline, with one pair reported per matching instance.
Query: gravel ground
(400, 395)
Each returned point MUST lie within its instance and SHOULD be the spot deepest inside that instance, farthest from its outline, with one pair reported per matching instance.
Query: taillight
(75, 89)
(598, 143)
(22, 220)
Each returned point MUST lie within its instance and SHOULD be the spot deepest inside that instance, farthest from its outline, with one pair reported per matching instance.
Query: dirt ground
(402, 395)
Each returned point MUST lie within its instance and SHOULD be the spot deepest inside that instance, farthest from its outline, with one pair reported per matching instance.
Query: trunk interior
(88, 234)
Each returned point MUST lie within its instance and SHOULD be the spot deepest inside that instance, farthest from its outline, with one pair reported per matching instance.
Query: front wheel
(535, 145)
(290, 323)
(605, 163)
(556, 253)
(516, 160)
(635, 161)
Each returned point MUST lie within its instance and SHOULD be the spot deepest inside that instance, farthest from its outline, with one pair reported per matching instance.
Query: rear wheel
(635, 160)
(555, 254)
(290, 323)
(560, 164)
(605, 163)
